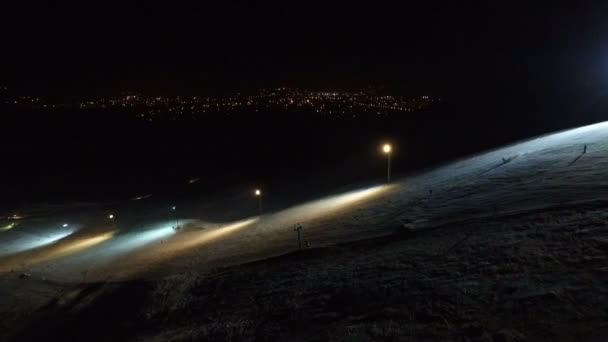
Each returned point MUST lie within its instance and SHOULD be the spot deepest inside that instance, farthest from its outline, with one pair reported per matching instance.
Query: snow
(541, 172)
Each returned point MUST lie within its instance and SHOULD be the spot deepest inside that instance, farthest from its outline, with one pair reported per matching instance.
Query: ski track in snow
(541, 172)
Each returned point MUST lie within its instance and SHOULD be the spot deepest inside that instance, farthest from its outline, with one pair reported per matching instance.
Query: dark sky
(507, 69)
(447, 48)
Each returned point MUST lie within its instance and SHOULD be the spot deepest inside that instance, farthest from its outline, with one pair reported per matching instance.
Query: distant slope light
(8, 226)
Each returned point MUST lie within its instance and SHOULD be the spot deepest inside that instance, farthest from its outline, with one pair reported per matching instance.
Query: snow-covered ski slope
(543, 171)
(540, 172)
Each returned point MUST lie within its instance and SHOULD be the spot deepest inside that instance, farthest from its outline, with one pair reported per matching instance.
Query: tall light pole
(258, 194)
(111, 217)
(387, 149)
(176, 225)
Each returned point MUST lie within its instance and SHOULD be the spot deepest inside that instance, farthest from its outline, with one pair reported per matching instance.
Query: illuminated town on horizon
(333, 103)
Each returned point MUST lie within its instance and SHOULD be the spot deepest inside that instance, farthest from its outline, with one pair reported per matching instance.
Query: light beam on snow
(222, 231)
(8, 226)
(568, 137)
(64, 247)
(191, 239)
(183, 242)
(29, 241)
(329, 205)
(203, 237)
(78, 245)
(135, 240)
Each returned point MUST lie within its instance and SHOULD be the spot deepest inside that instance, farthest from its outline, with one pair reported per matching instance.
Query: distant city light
(335, 103)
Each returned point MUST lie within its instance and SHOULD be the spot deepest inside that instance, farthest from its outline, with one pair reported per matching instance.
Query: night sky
(446, 48)
(507, 71)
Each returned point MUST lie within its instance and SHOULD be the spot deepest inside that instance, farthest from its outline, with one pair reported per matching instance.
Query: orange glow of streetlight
(258, 194)
(387, 148)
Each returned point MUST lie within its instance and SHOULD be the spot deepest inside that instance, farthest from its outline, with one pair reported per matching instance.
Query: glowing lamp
(387, 148)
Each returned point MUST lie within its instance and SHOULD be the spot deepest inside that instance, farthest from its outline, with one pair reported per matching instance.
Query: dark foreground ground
(540, 276)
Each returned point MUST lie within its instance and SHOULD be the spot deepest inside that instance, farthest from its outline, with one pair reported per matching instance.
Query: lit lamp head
(65, 225)
(258, 192)
(387, 148)
(173, 207)
(111, 216)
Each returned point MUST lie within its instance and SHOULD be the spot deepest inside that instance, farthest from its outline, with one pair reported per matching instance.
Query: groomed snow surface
(543, 172)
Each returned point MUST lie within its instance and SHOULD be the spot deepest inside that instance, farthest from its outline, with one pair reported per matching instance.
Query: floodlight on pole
(258, 194)
(112, 220)
(388, 149)
(176, 225)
